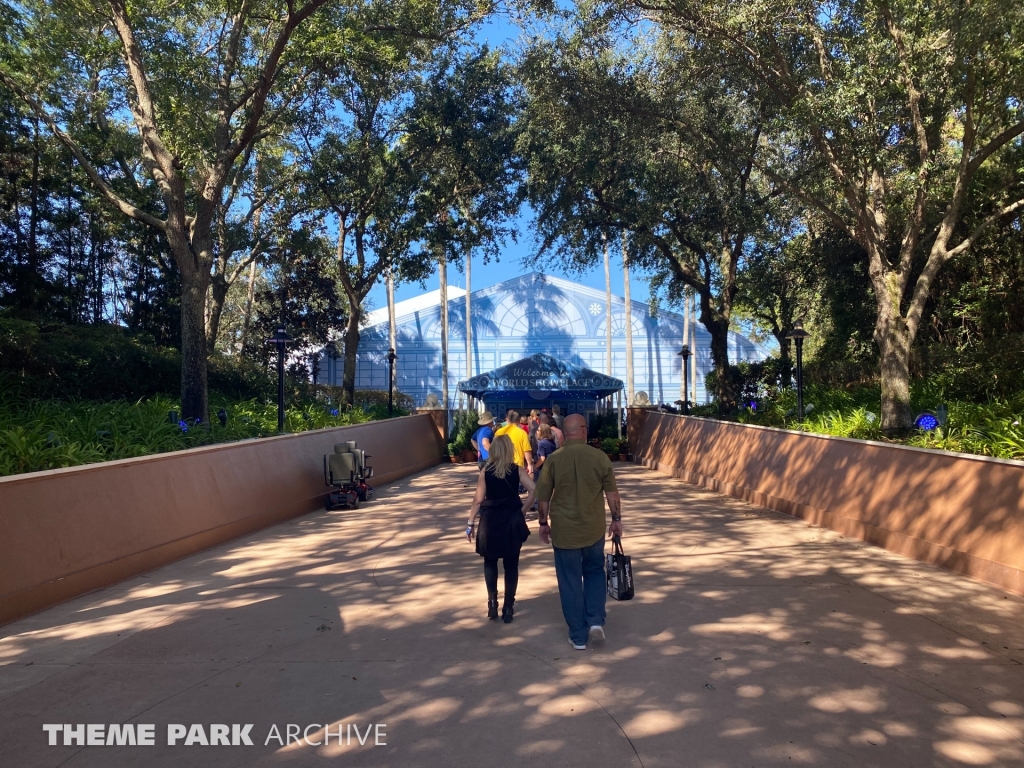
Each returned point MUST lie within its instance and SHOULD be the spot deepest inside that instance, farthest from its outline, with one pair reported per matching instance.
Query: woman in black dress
(503, 526)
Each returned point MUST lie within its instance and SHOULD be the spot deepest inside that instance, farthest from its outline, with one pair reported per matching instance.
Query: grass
(986, 429)
(40, 434)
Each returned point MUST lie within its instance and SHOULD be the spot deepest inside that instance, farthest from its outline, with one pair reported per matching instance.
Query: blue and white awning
(538, 377)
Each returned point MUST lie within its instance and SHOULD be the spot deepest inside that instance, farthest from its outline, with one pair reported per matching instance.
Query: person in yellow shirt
(523, 455)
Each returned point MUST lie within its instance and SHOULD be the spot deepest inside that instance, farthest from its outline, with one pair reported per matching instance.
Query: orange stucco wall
(961, 512)
(68, 531)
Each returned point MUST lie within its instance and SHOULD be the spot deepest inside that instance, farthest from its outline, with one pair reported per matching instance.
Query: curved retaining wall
(65, 532)
(961, 512)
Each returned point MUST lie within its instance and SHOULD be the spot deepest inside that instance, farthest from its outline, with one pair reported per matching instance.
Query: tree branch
(939, 257)
(127, 208)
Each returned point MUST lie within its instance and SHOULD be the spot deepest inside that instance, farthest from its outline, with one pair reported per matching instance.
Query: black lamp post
(280, 339)
(391, 380)
(798, 334)
(685, 354)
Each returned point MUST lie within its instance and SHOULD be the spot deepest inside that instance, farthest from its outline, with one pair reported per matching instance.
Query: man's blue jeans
(581, 587)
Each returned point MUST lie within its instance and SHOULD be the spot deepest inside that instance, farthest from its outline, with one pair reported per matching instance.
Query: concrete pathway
(754, 640)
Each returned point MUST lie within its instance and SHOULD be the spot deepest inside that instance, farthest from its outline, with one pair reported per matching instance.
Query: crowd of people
(547, 458)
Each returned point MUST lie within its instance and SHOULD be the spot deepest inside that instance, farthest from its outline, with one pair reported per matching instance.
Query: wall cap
(854, 440)
(199, 449)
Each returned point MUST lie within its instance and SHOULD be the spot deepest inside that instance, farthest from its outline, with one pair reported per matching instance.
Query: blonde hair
(500, 458)
(544, 432)
(534, 413)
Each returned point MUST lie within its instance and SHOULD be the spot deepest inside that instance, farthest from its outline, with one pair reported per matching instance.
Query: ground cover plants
(993, 428)
(39, 434)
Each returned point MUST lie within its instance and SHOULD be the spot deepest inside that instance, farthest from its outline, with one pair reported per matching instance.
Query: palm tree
(444, 327)
(469, 324)
(629, 324)
(608, 306)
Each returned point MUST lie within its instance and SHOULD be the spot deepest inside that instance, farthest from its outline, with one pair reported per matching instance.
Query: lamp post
(391, 380)
(798, 334)
(280, 339)
(685, 354)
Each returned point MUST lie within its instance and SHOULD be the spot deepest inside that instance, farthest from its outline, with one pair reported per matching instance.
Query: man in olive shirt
(570, 489)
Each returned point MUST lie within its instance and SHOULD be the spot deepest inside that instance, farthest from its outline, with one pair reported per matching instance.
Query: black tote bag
(618, 572)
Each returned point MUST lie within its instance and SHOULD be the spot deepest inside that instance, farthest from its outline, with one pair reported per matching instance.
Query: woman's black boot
(507, 610)
(492, 606)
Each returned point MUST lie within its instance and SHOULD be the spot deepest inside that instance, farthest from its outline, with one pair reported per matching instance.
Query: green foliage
(104, 362)
(610, 445)
(464, 425)
(603, 425)
(37, 434)
(987, 429)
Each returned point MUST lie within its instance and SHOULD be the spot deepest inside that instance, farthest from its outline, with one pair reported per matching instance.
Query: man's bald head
(575, 427)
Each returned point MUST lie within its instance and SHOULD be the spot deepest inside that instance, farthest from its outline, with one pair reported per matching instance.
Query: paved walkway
(754, 640)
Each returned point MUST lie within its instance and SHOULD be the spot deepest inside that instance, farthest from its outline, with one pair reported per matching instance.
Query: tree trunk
(631, 394)
(348, 379)
(469, 323)
(392, 330)
(218, 295)
(444, 327)
(785, 359)
(719, 330)
(194, 394)
(692, 310)
(683, 373)
(894, 342)
(33, 227)
(249, 300)
(608, 306)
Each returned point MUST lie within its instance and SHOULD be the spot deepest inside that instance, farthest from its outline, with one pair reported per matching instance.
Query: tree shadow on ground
(754, 639)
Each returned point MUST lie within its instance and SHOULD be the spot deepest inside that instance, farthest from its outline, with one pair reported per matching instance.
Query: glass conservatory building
(521, 317)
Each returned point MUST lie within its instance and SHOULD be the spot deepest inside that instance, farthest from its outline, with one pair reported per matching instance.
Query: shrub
(40, 434)
(88, 362)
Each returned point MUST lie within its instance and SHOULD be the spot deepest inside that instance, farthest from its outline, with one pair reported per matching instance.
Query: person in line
(545, 447)
(520, 442)
(572, 519)
(503, 526)
(482, 438)
(556, 417)
(556, 433)
(524, 424)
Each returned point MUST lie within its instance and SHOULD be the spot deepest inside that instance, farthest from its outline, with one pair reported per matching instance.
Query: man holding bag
(572, 519)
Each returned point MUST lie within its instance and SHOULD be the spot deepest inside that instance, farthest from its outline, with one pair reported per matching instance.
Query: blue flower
(184, 425)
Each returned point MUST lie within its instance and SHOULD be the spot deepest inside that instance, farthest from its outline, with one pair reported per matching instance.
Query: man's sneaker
(578, 647)
(597, 634)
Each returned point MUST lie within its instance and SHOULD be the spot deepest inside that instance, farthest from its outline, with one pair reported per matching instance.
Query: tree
(642, 142)
(204, 83)
(303, 291)
(889, 110)
(776, 287)
(422, 165)
(463, 130)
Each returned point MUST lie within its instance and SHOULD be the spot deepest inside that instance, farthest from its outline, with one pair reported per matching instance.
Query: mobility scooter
(346, 473)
